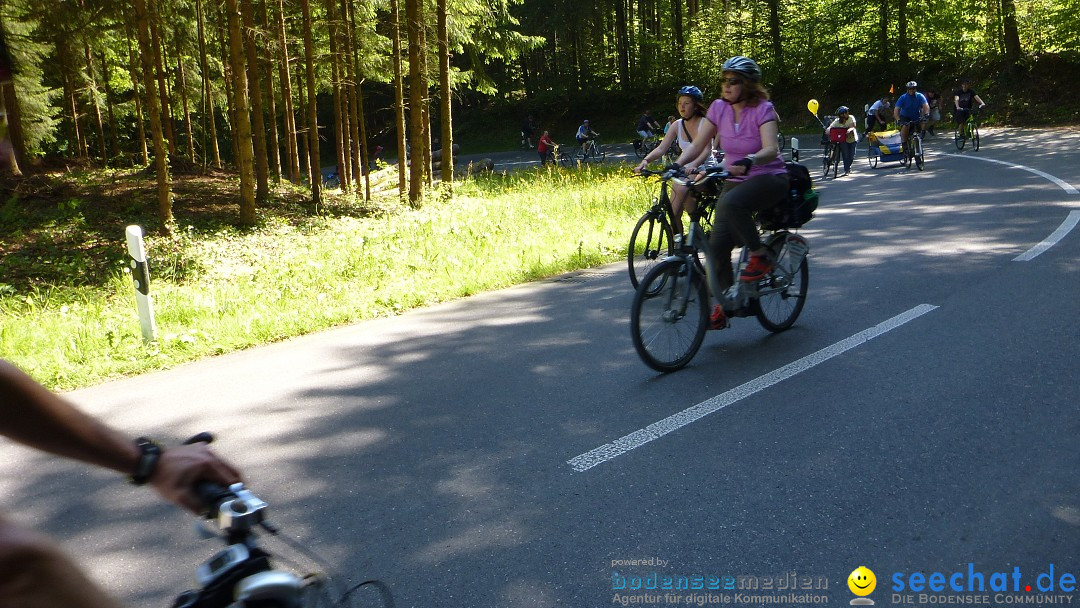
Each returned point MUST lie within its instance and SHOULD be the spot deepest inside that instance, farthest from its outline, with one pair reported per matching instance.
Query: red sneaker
(718, 320)
(756, 269)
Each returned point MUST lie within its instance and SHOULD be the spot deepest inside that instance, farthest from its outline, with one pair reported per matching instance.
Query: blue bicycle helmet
(842, 110)
(742, 65)
(691, 91)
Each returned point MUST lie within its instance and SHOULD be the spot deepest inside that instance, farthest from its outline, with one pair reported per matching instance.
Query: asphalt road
(432, 450)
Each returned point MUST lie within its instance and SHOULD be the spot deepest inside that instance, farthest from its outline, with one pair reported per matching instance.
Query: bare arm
(36, 417)
(657, 152)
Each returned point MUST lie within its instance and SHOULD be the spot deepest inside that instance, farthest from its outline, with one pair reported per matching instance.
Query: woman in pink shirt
(745, 124)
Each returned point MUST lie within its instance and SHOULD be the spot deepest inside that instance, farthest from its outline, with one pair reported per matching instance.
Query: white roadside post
(140, 276)
(795, 149)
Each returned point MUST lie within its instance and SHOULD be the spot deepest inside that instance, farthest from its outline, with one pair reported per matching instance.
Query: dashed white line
(674, 422)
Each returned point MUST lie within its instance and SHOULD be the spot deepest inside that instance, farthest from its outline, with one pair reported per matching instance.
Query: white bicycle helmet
(742, 65)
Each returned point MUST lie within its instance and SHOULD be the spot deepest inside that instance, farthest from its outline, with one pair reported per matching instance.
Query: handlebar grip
(202, 437)
(211, 495)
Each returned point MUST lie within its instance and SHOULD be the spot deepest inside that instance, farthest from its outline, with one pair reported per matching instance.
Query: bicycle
(642, 147)
(241, 574)
(913, 148)
(591, 151)
(670, 312)
(968, 130)
(831, 156)
(557, 158)
(657, 237)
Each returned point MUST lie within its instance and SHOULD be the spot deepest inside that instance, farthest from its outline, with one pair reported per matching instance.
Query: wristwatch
(149, 453)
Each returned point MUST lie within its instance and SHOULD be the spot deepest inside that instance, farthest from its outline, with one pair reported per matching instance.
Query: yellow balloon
(812, 105)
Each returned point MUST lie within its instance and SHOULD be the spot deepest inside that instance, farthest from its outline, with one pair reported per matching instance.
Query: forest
(277, 90)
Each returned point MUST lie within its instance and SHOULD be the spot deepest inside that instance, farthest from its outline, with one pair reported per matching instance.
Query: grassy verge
(217, 288)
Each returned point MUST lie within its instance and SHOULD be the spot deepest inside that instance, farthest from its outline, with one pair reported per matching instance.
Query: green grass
(224, 289)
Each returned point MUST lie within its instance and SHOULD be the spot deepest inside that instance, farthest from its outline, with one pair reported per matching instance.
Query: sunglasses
(732, 81)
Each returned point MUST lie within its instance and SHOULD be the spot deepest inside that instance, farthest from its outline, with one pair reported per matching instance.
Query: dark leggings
(733, 221)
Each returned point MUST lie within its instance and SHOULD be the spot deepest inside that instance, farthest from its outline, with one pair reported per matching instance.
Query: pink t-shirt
(740, 140)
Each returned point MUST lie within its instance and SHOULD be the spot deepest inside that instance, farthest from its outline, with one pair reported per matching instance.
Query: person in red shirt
(546, 148)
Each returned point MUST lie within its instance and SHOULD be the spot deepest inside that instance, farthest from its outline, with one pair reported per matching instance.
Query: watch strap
(149, 453)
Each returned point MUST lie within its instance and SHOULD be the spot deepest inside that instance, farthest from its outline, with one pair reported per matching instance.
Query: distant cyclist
(546, 148)
(877, 116)
(585, 134)
(911, 107)
(647, 126)
(844, 120)
(965, 99)
(34, 571)
(527, 132)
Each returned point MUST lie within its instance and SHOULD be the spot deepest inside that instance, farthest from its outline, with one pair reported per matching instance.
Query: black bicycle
(670, 312)
(241, 575)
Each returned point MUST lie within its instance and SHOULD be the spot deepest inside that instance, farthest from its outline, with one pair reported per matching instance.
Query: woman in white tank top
(691, 105)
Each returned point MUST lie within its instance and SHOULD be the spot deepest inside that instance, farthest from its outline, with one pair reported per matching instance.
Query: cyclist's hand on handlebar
(740, 167)
(180, 467)
(641, 167)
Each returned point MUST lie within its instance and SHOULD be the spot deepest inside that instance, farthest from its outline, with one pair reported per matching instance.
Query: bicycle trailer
(884, 146)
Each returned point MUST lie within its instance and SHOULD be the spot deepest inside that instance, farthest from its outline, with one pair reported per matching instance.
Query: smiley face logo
(862, 581)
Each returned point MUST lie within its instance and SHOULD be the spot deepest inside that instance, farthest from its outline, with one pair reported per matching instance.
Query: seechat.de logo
(862, 582)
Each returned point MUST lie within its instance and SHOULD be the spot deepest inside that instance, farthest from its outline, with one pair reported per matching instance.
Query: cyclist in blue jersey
(910, 107)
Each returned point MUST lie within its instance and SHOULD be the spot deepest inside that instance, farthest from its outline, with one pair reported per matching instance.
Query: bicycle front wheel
(958, 136)
(650, 242)
(781, 297)
(975, 137)
(670, 315)
(917, 152)
(826, 160)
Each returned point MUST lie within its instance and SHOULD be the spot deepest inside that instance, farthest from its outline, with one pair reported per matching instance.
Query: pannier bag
(798, 206)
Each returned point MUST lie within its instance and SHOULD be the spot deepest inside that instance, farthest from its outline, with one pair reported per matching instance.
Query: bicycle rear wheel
(871, 157)
(783, 292)
(670, 315)
(640, 149)
(917, 152)
(958, 136)
(975, 137)
(650, 242)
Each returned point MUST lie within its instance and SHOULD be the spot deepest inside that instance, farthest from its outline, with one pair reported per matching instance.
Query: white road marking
(674, 422)
(1066, 226)
(1060, 182)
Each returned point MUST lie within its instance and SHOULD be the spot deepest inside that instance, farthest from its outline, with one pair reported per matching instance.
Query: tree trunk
(680, 38)
(109, 105)
(161, 156)
(245, 161)
(92, 95)
(258, 123)
(207, 92)
(163, 89)
(883, 31)
(1010, 31)
(901, 32)
(134, 72)
(777, 46)
(182, 80)
(622, 44)
(399, 98)
(447, 159)
(357, 133)
(335, 92)
(271, 107)
(314, 165)
(286, 97)
(302, 128)
(414, 24)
